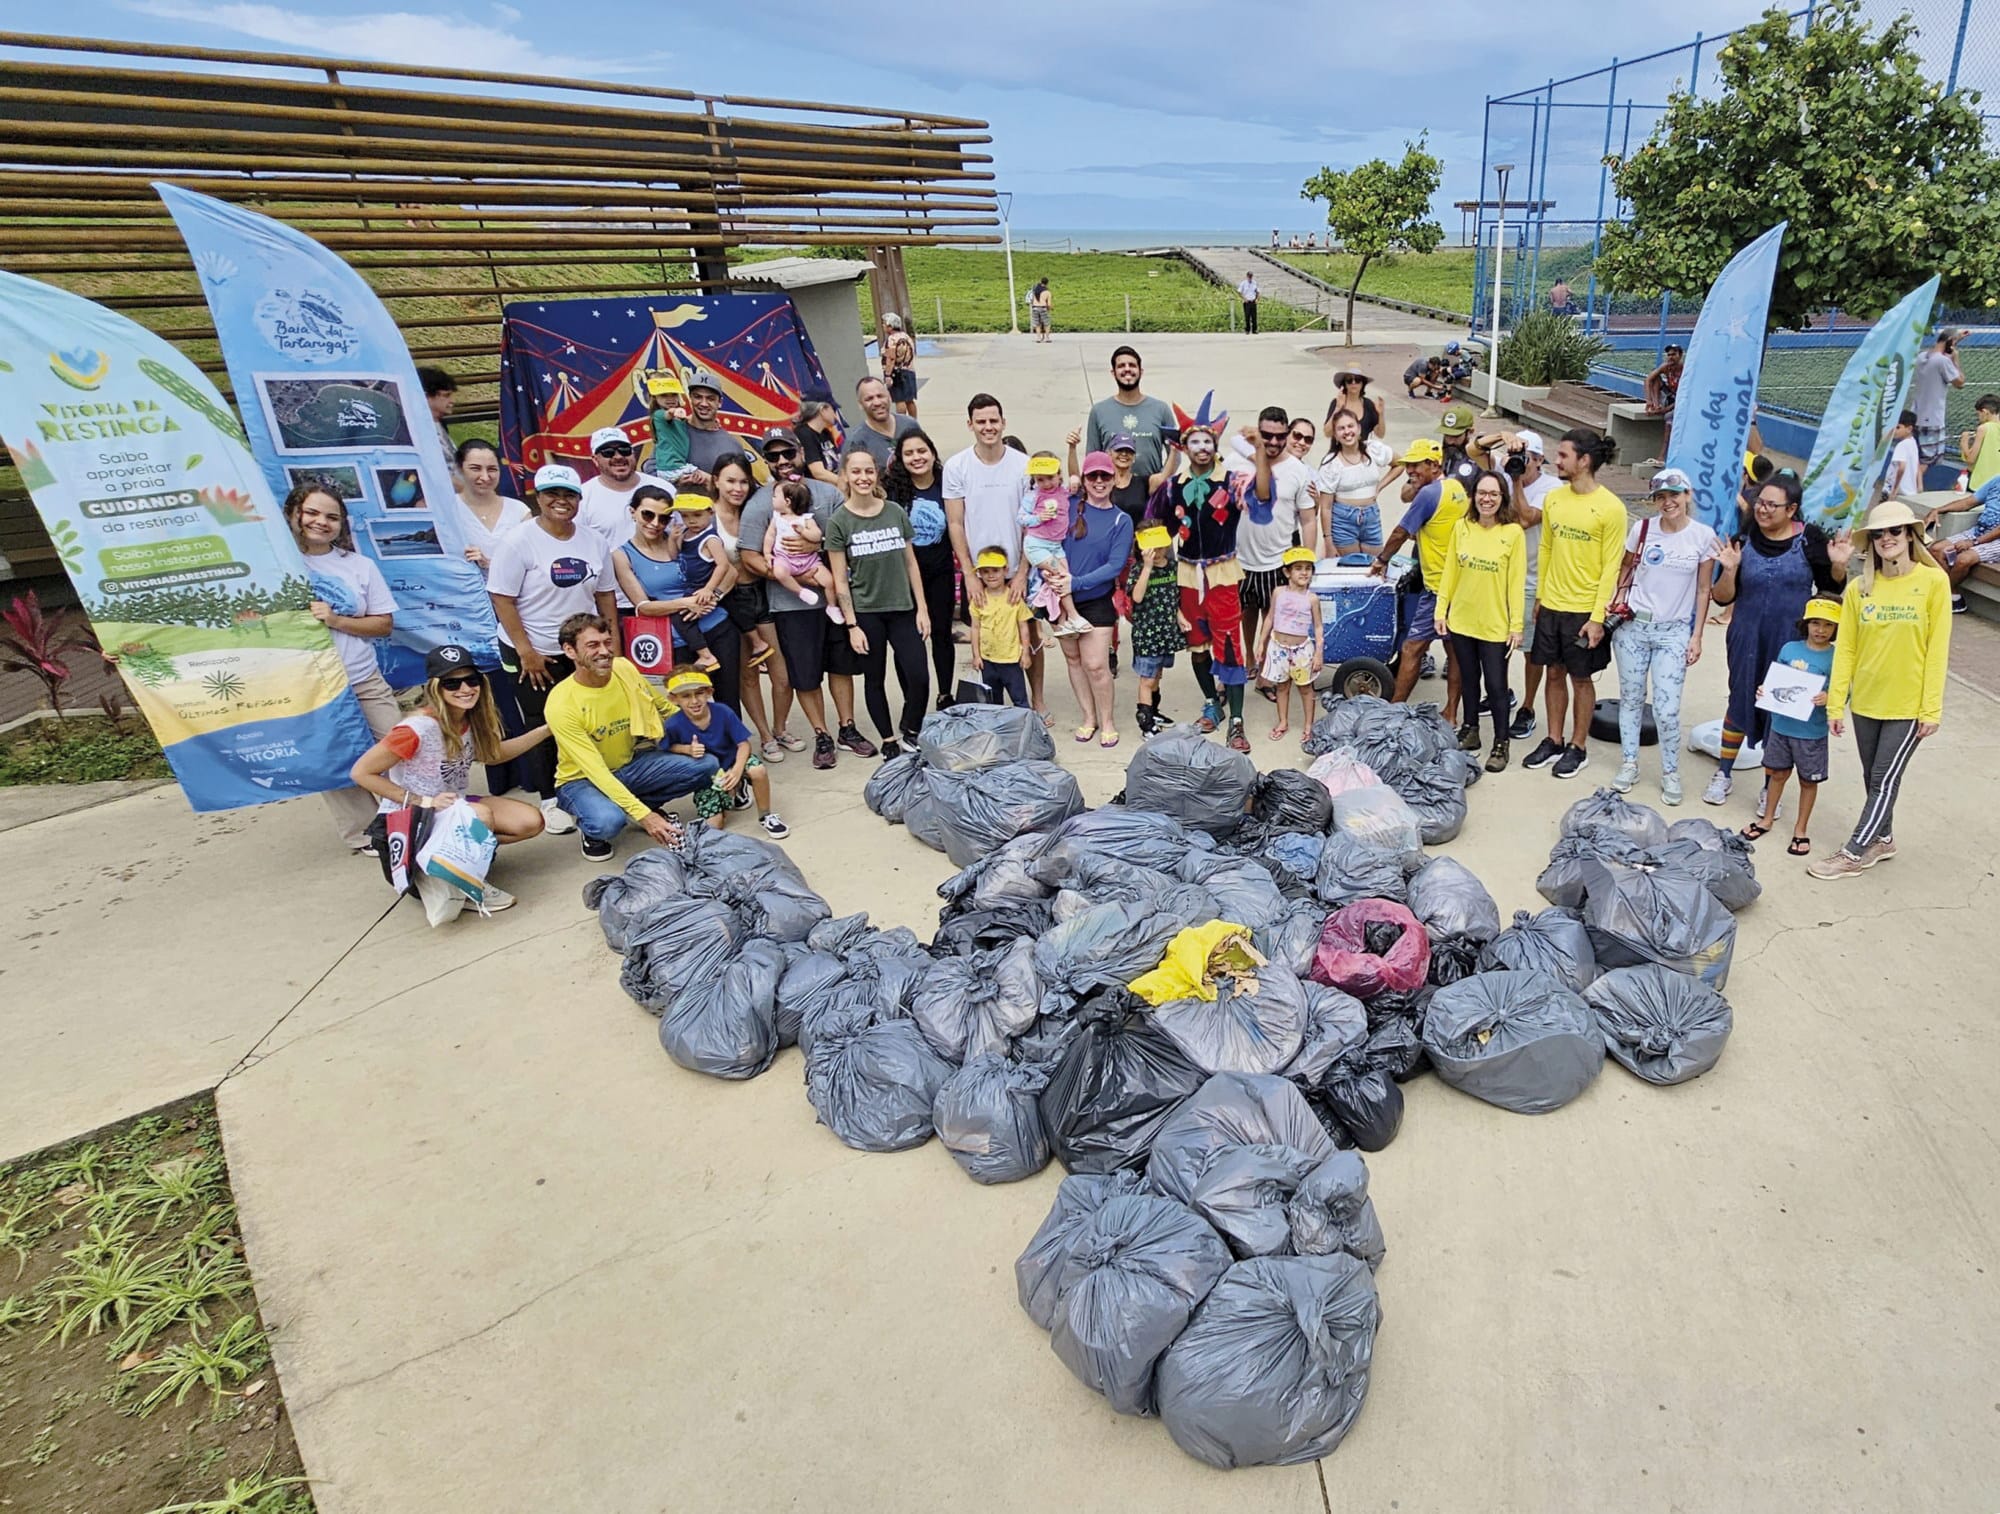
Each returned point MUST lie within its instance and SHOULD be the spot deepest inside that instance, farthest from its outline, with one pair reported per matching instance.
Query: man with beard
(1278, 512)
(880, 426)
(1129, 412)
(607, 498)
(708, 443)
(1203, 510)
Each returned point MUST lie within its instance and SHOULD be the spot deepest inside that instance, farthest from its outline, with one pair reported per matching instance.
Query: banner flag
(330, 396)
(1853, 439)
(183, 563)
(1718, 392)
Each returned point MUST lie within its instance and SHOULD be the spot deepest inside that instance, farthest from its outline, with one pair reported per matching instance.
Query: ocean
(1067, 239)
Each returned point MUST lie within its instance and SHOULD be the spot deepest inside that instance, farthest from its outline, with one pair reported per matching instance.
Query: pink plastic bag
(1343, 960)
(1342, 772)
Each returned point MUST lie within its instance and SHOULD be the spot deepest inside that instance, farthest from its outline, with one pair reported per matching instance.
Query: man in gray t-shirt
(708, 443)
(1936, 371)
(881, 427)
(1150, 423)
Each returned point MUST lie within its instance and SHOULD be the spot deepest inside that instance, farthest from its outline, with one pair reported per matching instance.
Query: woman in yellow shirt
(1888, 672)
(1479, 606)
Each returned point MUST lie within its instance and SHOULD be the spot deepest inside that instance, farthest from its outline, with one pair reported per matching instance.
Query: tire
(1362, 675)
(1604, 724)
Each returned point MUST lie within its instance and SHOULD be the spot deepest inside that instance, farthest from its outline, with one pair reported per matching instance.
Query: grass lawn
(84, 750)
(1442, 279)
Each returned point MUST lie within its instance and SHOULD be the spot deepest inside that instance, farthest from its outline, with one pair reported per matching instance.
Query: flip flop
(1085, 732)
(1279, 732)
(1108, 740)
(1754, 832)
(1800, 846)
(759, 659)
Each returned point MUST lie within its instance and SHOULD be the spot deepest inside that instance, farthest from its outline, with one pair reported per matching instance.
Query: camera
(1517, 462)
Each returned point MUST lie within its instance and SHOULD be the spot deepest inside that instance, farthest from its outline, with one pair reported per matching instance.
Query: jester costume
(1203, 513)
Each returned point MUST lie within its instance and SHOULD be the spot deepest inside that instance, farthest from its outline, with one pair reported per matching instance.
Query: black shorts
(1556, 644)
(903, 387)
(813, 647)
(1258, 585)
(748, 606)
(1100, 612)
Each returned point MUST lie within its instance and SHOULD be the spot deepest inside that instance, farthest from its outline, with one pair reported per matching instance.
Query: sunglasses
(781, 454)
(462, 681)
(1275, 436)
(1890, 531)
(653, 517)
(1097, 473)
(616, 450)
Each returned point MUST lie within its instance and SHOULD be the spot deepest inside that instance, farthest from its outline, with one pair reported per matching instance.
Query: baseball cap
(775, 436)
(1822, 609)
(557, 476)
(1670, 481)
(1044, 467)
(688, 503)
(992, 557)
(690, 679)
(1121, 443)
(701, 378)
(1152, 538)
(1099, 462)
(664, 383)
(1451, 347)
(1298, 554)
(1425, 449)
(1531, 442)
(606, 436)
(1457, 418)
(450, 658)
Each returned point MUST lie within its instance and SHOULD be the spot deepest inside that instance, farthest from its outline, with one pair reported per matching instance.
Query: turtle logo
(80, 367)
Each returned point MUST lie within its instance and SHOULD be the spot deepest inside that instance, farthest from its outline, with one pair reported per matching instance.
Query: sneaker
(822, 750)
(1238, 741)
(1670, 789)
(890, 750)
(790, 742)
(1211, 717)
(556, 820)
(1545, 752)
(946, 701)
(595, 850)
(774, 827)
(851, 738)
(493, 900)
(1881, 851)
(1143, 714)
(741, 798)
(1523, 726)
(1958, 604)
(1496, 760)
(1468, 736)
(833, 614)
(1573, 761)
(1429, 668)
(1626, 778)
(1840, 864)
(809, 598)
(773, 750)
(367, 849)
(1718, 788)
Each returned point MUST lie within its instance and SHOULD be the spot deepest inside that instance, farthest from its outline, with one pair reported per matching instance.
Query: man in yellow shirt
(1583, 549)
(599, 716)
(1436, 507)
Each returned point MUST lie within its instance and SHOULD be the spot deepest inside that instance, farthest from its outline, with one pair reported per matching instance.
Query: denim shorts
(1356, 523)
(1151, 667)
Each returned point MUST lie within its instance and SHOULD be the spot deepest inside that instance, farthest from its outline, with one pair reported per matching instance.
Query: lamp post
(1007, 236)
(1499, 253)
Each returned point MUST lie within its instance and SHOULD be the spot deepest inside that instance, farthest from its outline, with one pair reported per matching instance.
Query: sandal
(758, 659)
(1279, 732)
(1800, 846)
(1086, 732)
(1109, 739)
(1754, 832)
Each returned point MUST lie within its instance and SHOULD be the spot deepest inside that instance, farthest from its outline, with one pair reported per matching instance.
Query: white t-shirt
(608, 510)
(1248, 288)
(550, 580)
(512, 513)
(1535, 491)
(1906, 471)
(351, 585)
(1356, 483)
(992, 493)
(1261, 548)
(1663, 585)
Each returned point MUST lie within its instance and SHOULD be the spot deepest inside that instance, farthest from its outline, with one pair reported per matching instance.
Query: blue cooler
(1360, 615)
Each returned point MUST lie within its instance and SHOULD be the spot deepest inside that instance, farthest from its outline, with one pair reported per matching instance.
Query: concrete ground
(513, 1258)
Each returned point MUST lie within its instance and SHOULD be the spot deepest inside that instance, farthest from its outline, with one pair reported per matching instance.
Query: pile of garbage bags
(981, 775)
(1407, 748)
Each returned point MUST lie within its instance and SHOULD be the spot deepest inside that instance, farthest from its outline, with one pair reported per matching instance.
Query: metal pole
(1128, 317)
(940, 305)
(1541, 192)
(1007, 236)
(1958, 49)
(1603, 182)
(1499, 252)
(1479, 210)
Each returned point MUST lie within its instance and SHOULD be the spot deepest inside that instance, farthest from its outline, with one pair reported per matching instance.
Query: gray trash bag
(1273, 1368)
(1351, 869)
(769, 893)
(989, 1118)
(973, 814)
(1613, 811)
(1553, 941)
(683, 944)
(969, 737)
(1706, 833)
(1435, 792)
(1658, 1024)
(1000, 878)
(924, 804)
(1243, 890)
(1522, 1040)
(1727, 871)
(1637, 915)
(1379, 817)
(872, 1080)
(1254, 1024)
(625, 901)
(1097, 879)
(1561, 882)
(1293, 938)
(1106, 946)
(1137, 838)
(1292, 859)
(1331, 1212)
(968, 1005)
(1133, 1275)
(1336, 1023)
(1246, 1193)
(1079, 1196)
(1200, 783)
(887, 790)
(1451, 901)
(727, 1027)
(806, 987)
(1232, 1109)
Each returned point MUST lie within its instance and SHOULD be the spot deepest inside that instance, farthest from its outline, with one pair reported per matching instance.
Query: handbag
(1620, 609)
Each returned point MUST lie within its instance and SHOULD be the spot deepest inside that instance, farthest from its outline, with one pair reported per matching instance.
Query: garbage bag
(873, 1081)
(1706, 833)
(1379, 817)
(1293, 937)
(1104, 946)
(1371, 946)
(1254, 1024)
(1435, 794)
(1335, 1024)
(1725, 870)
(1115, 1081)
(1137, 838)
(1292, 859)
(1133, 1275)
(1611, 810)
(1561, 882)
(1351, 869)
(1643, 914)
(765, 887)
(968, 1005)
(1396, 1032)
(988, 1115)
(975, 930)
(1245, 1193)
(1201, 783)
(1231, 1109)
(967, 815)
(1659, 1024)
(1365, 1098)
(1038, 1269)
(969, 737)
(887, 790)
(1287, 800)
(1242, 889)
(1097, 879)
(1522, 1040)
(683, 943)
(1331, 1212)
(1339, 771)
(1273, 1368)
(1458, 914)
(807, 988)
(1553, 941)
(624, 901)
(999, 878)
(727, 1026)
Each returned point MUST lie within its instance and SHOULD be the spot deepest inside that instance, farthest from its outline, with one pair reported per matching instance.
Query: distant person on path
(1936, 371)
(1040, 307)
(708, 443)
(1479, 608)
(441, 395)
(880, 429)
(1274, 239)
(1247, 292)
(1436, 508)
(606, 506)
(489, 514)
(1980, 447)
(1352, 394)
(1559, 302)
(1663, 387)
(1424, 379)
(1129, 411)
(1977, 546)
(899, 364)
(983, 487)
(914, 479)
(1904, 474)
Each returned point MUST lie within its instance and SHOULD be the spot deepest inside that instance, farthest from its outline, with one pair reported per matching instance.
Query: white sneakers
(1718, 788)
(1626, 777)
(555, 819)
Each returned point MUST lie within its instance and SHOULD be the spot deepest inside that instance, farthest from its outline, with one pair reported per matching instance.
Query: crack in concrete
(1875, 914)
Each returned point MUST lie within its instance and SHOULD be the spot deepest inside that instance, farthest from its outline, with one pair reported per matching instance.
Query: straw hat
(1891, 512)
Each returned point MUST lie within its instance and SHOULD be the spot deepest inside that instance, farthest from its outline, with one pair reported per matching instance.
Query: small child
(1795, 743)
(666, 398)
(1980, 447)
(706, 729)
(1904, 475)
(1045, 518)
(791, 547)
(1290, 647)
(702, 557)
(1158, 629)
(996, 630)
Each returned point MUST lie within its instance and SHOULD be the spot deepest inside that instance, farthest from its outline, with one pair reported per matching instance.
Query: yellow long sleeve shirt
(1583, 547)
(596, 729)
(1485, 581)
(1889, 659)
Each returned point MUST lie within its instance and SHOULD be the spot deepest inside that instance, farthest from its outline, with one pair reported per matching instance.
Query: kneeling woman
(426, 758)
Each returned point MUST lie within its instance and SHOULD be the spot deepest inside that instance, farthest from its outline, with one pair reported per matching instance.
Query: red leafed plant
(34, 643)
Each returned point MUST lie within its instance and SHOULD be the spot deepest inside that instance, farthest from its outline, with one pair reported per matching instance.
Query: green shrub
(1547, 348)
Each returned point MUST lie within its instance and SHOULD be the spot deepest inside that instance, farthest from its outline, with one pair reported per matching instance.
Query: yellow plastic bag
(1195, 958)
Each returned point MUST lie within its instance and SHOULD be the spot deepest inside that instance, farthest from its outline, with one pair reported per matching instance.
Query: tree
(1377, 208)
(1884, 178)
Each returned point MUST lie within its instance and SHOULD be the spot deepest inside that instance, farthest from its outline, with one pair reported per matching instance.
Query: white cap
(557, 476)
(1531, 441)
(605, 435)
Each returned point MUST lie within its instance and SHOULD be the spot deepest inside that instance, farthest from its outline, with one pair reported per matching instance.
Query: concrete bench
(1638, 433)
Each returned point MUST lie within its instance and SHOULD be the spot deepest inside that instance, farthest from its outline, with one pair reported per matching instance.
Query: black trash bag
(998, 879)
(769, 893)
(1246, 1193)
(1316, 1101)
(1336, 1023)
(1285, 799)
(1351, 869)
(968, 1005)
(1658, 1024)
(1396, 1032)
(1562, 881)
(684, 943)
(1331, 1212)
(1105, 946)
(968, 738)
(1045, 1040)
(625, 901)
(1522, 1040)
(1094, 879)
(1242, 888)
(967, 815)
(1637, 915)
(1254, 1024)
(1116, 1081)
(1459, 914)
(1273, 1368)
(1038, 1269)
(1292, 939)
(1133, 1275)
(1436, 793)
(1365, 1098)
(1553, 941)
(988, 1116)
(1137, 838)
(980, 930)
(1726, 871)
(1200, 783)
(1610, 810)
(1231, 1109)
(727, 1026)
(872, 1080)
(887, 790)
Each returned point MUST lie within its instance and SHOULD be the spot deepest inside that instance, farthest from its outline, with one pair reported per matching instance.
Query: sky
(1104, 117)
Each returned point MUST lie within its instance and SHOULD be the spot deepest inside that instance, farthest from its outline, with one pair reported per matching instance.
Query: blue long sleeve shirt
(1097, 557)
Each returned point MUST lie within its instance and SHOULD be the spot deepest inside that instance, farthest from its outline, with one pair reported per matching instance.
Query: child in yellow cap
(996, 630)
(1799, 742)
(1045, 521)
(703, 728)
(666, 400)
(1158, 631)
(1291, 647)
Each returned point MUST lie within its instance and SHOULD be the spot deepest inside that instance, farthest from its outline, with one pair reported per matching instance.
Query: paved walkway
(1371, 321)
(514, 1259)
